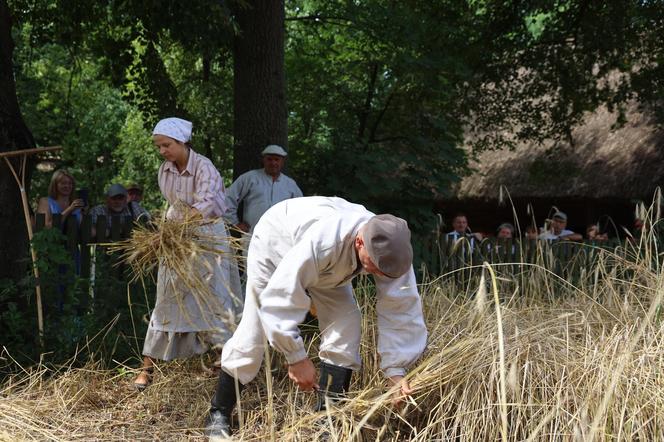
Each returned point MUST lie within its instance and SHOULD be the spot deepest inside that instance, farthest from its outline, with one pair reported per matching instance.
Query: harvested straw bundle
(188, 250)
(179, 244)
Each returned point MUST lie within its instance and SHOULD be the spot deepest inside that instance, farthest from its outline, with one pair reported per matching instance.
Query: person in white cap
(181, 324)
(308, 250)
(260, 189)
(558, 229)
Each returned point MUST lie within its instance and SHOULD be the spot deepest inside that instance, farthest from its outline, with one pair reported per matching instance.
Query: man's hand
(303, 373)
(400, 388)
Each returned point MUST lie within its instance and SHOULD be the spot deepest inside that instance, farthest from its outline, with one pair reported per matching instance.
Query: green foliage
(90, 144)
(138, 160)
(373, 104)
(87, 90)
(73, 313)
(54, 263)
(552, 62)
(65, 102)
(13, 320)
(403, 82)
(204, 83)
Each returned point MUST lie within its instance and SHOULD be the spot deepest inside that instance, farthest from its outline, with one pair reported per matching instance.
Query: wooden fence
(445, 255)
(81, 238)
(440, 255)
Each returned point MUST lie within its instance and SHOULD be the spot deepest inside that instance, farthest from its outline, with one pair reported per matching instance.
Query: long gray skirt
(168, 345)
(180, 326)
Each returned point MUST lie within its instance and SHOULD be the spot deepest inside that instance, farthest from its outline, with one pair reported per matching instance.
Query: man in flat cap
(259, 189)
(134, 193)
(315, 246)
(558, 229)
(118, 207)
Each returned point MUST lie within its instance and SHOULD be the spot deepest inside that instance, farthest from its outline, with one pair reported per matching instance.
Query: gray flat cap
(274, 149)
(387, 239)
(560, 215)
(115, 190)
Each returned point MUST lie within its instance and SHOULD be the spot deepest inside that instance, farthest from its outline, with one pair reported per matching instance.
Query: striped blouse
(199, 186)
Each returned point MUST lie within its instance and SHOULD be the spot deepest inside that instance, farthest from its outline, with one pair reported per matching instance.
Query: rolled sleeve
(209, 196)
(296, 192)
(402, 334)
(234, 195)
(296, 356)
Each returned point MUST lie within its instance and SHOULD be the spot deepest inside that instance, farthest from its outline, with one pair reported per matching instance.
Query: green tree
(67, 101)
(373, 100)
(138, 160)
(553, 62)
(383, 94)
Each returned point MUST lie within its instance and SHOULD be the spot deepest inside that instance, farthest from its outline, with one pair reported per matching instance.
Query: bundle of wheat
(187, 249)
(178, 244)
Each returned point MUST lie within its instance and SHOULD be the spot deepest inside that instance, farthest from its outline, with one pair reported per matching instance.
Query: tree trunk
(14, 135)
(259, 83)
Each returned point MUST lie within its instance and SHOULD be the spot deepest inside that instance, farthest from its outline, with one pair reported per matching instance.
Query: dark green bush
(101, 316)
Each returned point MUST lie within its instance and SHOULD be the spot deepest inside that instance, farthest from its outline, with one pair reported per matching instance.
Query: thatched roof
(604, 162)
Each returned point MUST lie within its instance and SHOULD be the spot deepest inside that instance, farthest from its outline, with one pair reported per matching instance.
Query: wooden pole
(26, 213)
(37, 150)
(35, 270)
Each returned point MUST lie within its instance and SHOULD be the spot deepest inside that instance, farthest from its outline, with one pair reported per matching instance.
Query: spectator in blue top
(60, 199)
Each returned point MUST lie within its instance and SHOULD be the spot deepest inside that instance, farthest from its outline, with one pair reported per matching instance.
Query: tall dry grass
(526, 356)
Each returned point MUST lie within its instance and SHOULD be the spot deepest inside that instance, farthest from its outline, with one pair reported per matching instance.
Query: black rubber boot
(334, 383)
(218, 422)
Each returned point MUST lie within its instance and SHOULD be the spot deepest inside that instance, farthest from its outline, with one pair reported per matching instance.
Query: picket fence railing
(446, 256)
(81, 238)
(441, 255)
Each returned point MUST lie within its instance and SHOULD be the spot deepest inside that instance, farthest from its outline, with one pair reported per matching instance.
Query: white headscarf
(176, 128)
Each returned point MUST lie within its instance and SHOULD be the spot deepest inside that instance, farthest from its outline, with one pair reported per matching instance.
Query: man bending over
(315, 246)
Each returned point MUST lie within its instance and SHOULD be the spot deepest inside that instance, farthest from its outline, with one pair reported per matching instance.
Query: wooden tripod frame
(19, 176)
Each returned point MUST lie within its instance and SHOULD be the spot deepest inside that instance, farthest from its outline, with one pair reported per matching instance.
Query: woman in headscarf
(181, 325)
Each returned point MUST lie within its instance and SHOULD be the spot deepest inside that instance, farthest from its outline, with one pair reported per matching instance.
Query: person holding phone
(60, 199)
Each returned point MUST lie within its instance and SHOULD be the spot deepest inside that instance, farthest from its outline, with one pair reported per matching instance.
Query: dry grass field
(528, 356)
